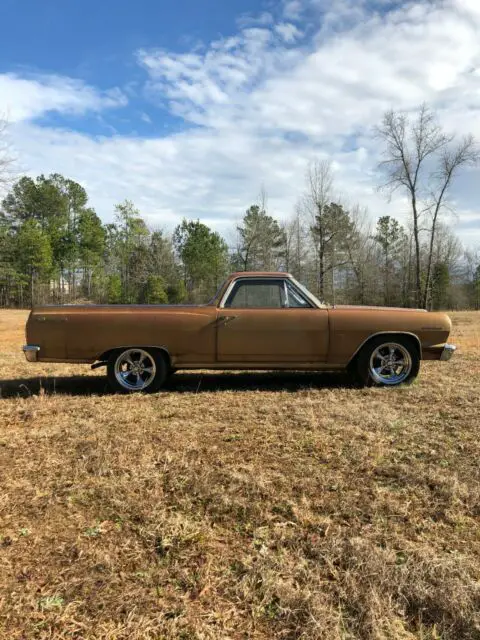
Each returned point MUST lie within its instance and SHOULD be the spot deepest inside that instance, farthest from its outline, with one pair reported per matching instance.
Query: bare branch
(452, 158)
(408, 146)
(411, 147)
(6, 156)
(320, 182)
(263, 199)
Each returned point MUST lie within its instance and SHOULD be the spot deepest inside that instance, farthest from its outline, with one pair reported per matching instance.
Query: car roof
(260, 274)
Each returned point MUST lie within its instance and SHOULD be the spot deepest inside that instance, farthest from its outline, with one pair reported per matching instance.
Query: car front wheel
(135, 369)
(384, 362)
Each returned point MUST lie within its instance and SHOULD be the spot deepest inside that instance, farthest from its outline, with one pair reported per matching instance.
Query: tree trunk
(432, 238)
(429, 265)
(72, 293)
(418, 282)
(321, 273)
(385, 288)
(299, 273)
(32, 288)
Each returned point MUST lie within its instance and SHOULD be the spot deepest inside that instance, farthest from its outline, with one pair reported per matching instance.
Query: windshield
(308, 293)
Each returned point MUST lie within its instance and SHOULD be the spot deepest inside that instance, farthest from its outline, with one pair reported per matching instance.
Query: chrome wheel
(135, 369)
(390, 363)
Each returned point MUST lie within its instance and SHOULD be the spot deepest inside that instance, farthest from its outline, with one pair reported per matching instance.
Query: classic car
(255, 321)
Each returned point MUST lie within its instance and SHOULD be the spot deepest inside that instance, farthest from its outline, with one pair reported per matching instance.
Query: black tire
(380, 347)
(141, 382)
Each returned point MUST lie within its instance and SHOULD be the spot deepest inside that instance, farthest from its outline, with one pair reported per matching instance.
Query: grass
(239, 505)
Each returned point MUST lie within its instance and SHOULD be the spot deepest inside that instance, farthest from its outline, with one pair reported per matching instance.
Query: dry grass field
(258, 506)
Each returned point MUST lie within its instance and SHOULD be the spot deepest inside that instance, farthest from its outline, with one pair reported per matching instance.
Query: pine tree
(155, 291)
(262, 242)
(390, 236)
(204, 255)
(34, 254)
(114, 289)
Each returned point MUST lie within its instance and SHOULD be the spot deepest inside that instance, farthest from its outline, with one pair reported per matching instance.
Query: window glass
(308, 294)
(296, 299)
(260, 294)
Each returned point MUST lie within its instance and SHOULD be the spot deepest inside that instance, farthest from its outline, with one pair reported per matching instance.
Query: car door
(265, 320)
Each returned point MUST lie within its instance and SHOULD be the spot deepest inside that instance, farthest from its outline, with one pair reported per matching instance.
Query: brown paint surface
(209, 336)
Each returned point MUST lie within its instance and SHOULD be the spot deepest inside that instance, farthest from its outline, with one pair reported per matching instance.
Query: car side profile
(257, 320)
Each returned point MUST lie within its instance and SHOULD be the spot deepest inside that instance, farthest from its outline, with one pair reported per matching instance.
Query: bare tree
(422, 161)
(466, 152)
(361, 255)
(409, 145)
(316, 199)
(6, 158)
(296, 246)
(471, 277)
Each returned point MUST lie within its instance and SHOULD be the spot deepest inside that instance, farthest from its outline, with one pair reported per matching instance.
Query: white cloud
(249, 19)
(27, 98)
(262, 108)
(293, 9)
(196, 83)
(288, 31)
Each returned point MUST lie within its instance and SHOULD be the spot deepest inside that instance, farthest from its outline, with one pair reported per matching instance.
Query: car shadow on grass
(188, 382)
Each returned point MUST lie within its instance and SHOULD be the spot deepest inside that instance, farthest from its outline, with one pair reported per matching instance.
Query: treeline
(55, 249)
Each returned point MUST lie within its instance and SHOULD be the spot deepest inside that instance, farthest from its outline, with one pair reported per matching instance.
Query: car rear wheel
(388, 362)
(134, 370)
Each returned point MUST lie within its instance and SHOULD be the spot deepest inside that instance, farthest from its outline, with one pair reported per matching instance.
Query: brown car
(256, 321)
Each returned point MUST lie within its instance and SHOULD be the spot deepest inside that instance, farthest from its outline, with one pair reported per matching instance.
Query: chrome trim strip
(260, 366)
(227, 293)
(31, 352)
(386, 333)
(448, 351)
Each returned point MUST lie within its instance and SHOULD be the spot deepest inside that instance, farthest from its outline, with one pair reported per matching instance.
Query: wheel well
(106, 354)
(390, 335)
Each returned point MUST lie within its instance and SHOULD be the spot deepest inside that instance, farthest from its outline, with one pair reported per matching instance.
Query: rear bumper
(31, 352)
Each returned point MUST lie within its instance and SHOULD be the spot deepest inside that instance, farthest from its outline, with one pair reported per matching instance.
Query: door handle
(226, 319)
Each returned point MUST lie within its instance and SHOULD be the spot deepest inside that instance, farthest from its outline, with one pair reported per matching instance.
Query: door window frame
(289, 284)
(231, 287)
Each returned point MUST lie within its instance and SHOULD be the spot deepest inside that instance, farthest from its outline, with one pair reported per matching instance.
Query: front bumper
(438, 352)
(448, 351)
(31, 352)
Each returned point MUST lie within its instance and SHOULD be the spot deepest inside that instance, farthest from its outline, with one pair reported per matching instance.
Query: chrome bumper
(31, 352)
(448, 351)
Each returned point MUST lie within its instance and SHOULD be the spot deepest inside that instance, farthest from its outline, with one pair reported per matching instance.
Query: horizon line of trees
(55, 249)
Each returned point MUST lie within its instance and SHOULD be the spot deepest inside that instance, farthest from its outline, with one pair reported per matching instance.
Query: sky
(191, 108)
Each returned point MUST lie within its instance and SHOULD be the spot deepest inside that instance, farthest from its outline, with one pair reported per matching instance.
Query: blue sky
(95, 40)
(191, 108)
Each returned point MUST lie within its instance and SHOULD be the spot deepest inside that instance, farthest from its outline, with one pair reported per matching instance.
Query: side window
(296, 299)
(259, 294)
